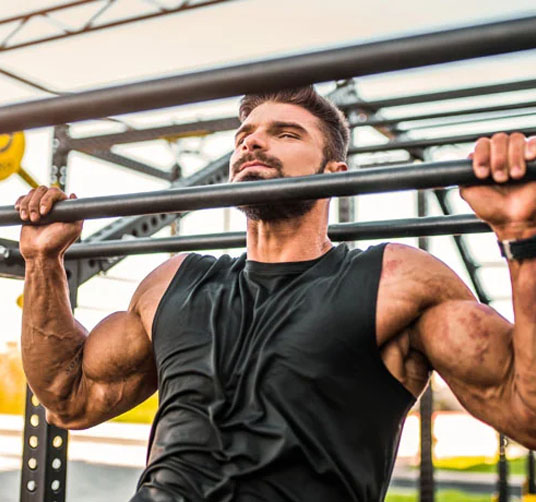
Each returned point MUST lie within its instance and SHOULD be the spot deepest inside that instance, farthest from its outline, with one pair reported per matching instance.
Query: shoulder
(411, 282)
(159, 278)
(191, 265)
(417, 271)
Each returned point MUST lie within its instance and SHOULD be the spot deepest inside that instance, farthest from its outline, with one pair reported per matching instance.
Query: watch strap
(518, 249)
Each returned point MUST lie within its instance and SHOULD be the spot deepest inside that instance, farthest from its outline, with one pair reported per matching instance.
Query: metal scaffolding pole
(89, 144)
(383, 121)
(272, 74)
(379, 180)
(398, 228)
(21, 21)
(464, 92)
(427, 142)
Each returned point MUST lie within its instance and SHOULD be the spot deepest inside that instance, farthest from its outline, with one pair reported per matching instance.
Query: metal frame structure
(19, 23)
(100, 252)
(272, 74)
(377, 180)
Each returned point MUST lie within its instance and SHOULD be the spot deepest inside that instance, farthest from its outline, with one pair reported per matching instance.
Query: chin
(254, 177)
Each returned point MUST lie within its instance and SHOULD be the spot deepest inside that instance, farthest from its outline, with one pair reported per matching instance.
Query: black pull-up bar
(376, 180)
(272, 74)
(408, 227)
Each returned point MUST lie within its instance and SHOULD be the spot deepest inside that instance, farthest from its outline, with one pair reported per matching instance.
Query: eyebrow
(274, 126)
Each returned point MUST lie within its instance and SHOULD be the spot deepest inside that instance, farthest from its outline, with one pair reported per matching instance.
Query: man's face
(277, 140)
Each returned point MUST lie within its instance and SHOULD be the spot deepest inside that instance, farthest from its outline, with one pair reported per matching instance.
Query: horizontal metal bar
(410, 227)
(464, 92)
(403, 177)
(291, 71)
(88, 27)
(383, 121)
(131, 164)
(470, 119)
(198, 128)
(40, 12)
(428, 142)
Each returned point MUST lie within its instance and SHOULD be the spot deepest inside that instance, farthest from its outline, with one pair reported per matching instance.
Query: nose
(254, 141)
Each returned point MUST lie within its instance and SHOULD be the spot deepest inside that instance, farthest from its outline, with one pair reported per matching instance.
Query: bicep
(470, 346)
(116, 366)
(117, 371)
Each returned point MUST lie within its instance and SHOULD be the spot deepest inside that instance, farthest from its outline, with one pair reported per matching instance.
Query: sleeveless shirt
(271, 385)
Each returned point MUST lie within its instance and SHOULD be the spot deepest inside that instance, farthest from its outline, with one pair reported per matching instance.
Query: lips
(245, 165)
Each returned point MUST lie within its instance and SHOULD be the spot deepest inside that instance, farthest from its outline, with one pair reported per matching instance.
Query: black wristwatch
(518, 249)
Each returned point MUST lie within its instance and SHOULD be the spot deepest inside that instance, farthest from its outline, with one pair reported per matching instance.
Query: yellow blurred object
(20, 301)
(529, 497)
(13, 388)
(11, 153)
(189, 134)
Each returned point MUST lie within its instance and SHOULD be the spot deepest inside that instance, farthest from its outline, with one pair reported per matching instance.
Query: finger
(516, 155)
(50, 198)
(481, 158)
(23, 205)
(530, 148)
(499, 157)
(35, 201)
(18, 201)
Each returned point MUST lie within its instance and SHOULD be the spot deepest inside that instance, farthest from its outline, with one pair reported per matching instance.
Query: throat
(286, 242)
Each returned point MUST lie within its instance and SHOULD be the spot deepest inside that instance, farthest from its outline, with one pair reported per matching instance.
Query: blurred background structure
(429, 113)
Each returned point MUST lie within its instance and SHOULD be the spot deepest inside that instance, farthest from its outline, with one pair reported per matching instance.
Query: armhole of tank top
(180, 272)
(395, 383)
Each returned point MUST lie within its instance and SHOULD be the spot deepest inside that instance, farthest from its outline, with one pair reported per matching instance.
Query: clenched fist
(509, 208)
(44, 240)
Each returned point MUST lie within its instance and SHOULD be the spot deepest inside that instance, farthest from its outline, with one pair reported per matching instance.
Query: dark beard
(276, 211)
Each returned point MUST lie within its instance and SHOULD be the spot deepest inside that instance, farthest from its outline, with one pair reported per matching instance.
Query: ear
(334, 166)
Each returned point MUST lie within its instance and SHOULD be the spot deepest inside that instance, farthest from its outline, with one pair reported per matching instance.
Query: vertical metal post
(347, 90)
(531, 474)
(503, 490)
(44, 453)
(58, 170)
(175, 226)
(426, 478)
(346, 209)
(44, 456)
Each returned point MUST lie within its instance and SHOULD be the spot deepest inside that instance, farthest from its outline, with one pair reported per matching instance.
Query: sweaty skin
(426, 317)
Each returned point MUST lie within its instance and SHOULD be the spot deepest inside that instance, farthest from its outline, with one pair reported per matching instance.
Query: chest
(255, 333)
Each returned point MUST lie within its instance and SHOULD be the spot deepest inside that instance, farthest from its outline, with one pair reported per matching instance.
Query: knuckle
(517, 137)
(499, 160)
(483, 142)
(499, 136)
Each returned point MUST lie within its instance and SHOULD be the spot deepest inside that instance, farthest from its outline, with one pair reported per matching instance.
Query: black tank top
(271, 385)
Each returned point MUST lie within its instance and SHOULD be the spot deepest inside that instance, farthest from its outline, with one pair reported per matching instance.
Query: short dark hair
(333, 123)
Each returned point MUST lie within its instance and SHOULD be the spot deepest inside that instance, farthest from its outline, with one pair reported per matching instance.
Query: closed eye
(240, 139)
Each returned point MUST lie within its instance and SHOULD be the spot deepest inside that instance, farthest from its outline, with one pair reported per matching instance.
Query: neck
(299, 239)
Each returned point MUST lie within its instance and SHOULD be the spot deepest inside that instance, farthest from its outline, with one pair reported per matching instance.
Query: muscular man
(286, 374)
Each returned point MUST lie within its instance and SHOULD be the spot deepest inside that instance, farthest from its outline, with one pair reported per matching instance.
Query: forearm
(52, 341)
(523, 277)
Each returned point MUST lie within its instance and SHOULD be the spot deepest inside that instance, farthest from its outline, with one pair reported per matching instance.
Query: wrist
(518, 249)
(514, 231)
(43, 261)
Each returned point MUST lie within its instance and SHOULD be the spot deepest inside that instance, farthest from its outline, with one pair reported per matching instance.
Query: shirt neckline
(288, 267)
